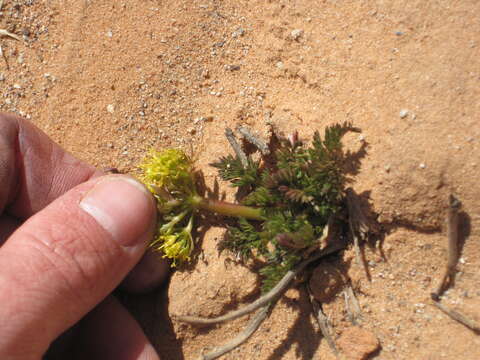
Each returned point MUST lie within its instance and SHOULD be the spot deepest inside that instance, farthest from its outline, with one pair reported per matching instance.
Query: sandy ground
(108, 80)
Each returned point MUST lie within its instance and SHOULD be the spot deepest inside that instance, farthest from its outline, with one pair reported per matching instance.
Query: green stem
(228, 209)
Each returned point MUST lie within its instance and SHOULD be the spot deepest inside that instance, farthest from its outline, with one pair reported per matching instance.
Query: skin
(68, 238)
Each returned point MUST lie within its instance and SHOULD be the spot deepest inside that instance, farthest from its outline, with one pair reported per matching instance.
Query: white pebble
(422, 166)
(110, 108)
(403, 113)
(296, 34)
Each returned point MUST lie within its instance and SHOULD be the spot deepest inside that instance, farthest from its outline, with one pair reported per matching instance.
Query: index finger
(33, 169)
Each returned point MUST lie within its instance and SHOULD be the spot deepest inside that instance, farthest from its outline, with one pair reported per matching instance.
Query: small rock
(325, 282)
(422, 166)
(232, 67)
(387, 168)
(2, 77)
(279, 65)
(361, 138)
(296, 34)
(399, 33)
(403, 113)
(110, 108)
(109, 33)
(357, 343)
(237, 33)
(17, 86)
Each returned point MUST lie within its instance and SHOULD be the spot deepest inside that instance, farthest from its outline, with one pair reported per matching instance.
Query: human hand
(68, 237)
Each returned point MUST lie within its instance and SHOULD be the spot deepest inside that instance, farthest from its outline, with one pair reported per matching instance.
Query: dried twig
(252, 326)
(452, 234)
(322, 321)
(236, 147)
(351, 303)
(7, 33)
(455, 315)
(259, 143)
(273, 294)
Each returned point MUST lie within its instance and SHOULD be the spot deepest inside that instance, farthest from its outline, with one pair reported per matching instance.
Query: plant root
(7, 33)
(272, 295)
(322, 321)
(459, 317)
(249, 330)
(352, 306)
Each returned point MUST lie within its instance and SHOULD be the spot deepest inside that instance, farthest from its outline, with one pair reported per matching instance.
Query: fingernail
(122, 206)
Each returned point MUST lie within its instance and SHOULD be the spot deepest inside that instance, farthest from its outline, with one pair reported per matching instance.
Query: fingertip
(123, 207)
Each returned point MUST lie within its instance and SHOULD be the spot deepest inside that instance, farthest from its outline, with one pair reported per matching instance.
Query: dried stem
(252, 326)
(236, 146)
(272, 295)
(455, 315)
(322, 321)
(259, 143)
(452, 235)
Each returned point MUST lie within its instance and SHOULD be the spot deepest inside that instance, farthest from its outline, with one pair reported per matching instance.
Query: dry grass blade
(252, 326)
(7, 33)
(272, 295)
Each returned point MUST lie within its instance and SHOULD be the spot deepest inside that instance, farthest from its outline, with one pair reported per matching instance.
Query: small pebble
(422, 166)
(17, 86)
(296, 34)
(2, 77)
(109, 33)
(232, 67)
(361, 137)
(110, 108)
(237, 33)
(387, 168)
(399, 33)
(403, 113)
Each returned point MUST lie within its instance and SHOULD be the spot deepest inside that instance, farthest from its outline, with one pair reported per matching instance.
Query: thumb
(66, 258)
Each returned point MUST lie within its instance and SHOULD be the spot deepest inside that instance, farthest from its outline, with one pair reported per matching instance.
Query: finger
(148, 274)
(65, 259)
(109, 332)
(33, 169)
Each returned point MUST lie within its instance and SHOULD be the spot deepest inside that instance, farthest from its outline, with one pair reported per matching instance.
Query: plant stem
(228, 209)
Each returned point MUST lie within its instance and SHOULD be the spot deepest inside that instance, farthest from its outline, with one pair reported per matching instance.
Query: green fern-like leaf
(231, 169)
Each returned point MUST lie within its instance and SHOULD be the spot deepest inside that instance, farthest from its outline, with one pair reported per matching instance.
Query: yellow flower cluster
(168, 174)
